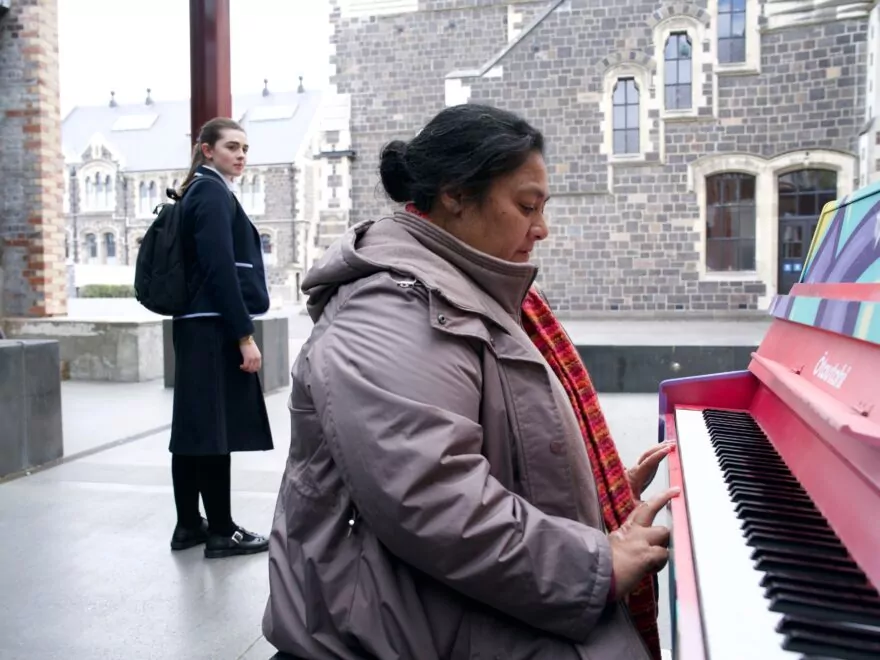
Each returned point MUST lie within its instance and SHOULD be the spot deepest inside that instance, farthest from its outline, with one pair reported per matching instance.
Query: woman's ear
(452, 202)
(207, 151)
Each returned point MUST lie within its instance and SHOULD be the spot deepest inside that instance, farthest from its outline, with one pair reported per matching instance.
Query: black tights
(210, 476)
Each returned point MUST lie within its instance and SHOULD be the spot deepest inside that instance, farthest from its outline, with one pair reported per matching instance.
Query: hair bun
(396, 178)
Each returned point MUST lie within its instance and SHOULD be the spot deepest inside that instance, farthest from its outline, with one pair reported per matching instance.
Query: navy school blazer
(223, 256)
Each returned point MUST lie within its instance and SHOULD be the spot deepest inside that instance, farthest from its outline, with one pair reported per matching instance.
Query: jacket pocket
(252, 283)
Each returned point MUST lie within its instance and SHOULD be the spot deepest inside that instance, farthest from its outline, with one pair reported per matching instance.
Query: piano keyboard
(774, 580)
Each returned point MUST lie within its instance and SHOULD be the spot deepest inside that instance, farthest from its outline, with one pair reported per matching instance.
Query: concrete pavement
(86, 569)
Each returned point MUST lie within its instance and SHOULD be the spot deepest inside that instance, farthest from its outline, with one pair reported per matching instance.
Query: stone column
(210, 93)
(31, 167)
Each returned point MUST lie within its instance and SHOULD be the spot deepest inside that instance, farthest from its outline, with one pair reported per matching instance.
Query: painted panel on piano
(845, 250)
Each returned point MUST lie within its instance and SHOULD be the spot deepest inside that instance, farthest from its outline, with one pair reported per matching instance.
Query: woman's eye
(528, 209)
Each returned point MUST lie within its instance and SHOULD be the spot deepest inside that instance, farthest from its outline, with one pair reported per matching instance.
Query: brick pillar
(210, 86)
(32, 268)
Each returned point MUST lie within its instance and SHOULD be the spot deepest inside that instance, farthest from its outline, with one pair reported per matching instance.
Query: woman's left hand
(642, 473)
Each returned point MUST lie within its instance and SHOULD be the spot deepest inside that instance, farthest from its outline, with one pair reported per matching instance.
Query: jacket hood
(418, 249)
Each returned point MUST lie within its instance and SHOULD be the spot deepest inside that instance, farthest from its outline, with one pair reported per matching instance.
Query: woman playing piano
(439, 499)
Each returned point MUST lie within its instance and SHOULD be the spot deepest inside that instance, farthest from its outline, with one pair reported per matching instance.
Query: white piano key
(737, 621)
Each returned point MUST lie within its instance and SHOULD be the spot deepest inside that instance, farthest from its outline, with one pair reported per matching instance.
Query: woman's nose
(540, 231)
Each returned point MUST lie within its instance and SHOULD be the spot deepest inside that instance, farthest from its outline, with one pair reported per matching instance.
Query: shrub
(107, 291)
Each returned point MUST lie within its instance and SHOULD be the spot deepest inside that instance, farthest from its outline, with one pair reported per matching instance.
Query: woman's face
(510, 219)
(229, 153)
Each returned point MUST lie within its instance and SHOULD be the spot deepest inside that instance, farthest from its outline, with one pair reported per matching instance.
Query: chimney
(113, 102)
(265, 87)
(300, 89)
(149, 100)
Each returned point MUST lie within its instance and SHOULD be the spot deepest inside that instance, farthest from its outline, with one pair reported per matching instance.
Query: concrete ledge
(114, 350)
(641, 369)
(30, 404)
(272, 336)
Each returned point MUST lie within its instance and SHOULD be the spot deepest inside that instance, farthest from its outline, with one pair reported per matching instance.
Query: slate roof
(158, 135)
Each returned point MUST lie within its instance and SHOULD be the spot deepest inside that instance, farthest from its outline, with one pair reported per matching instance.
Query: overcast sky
(128, 46)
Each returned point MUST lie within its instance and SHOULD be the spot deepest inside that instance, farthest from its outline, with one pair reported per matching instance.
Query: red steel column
(210, 87)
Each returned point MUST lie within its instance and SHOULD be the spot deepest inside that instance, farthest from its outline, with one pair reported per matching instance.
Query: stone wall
(31, 221)
(627, 233)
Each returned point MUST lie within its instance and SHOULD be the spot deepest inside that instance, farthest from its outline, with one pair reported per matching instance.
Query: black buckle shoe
(184, 537)
(240, 542)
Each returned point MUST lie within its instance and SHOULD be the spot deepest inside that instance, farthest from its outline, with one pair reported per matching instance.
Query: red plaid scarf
(615, 495)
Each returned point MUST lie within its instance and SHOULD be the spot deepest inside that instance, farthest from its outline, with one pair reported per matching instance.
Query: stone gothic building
(691, 144)
(119, 160)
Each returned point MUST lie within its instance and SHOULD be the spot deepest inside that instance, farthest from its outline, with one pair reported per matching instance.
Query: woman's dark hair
(462, 149)
(210, 133)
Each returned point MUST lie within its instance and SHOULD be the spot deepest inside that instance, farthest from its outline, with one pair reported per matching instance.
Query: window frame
(642, 79)
(91, 246)
(767, 211)
(752, 62)
(738, 204)
(696, 32)
(626, 129)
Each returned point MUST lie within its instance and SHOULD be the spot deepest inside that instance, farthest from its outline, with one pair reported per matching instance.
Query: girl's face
(229, 153)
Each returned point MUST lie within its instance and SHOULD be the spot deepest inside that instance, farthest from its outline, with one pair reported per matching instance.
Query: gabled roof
(156, 137)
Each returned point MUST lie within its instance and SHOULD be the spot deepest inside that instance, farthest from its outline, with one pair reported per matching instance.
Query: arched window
(91, 246)
(730, 222)
(143, 200)
(97, 200)
(109, 193)
(625, 118)
(110, 245)
(154, 197)
(89, 193)
(678, 65)
(266, 242)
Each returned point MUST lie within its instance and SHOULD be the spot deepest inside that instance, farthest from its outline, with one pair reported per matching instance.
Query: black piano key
(773, 500)
(765, 468)
(829, 609)
(746, 475)
(834, 640)
(806, 532)
(805, 555)
(863, 592)
(749, 511)
(822, 608)
(771, 541)
(762, 489)
(809, 570)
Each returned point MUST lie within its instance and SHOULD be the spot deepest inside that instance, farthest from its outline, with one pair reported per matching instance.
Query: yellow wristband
(247, 340)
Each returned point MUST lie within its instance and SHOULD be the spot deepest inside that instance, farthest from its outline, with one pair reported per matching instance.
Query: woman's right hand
(638, 547)
(252, 359)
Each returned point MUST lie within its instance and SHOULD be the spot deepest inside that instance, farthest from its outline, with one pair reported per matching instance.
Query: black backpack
(159, 275)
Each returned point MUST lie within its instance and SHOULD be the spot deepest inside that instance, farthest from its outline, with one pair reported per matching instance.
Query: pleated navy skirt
(218, 408)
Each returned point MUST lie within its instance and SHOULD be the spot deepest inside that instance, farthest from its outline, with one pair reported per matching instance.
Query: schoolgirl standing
(218, 399)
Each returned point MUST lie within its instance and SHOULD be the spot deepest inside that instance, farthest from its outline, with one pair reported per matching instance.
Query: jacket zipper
(352, 521)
